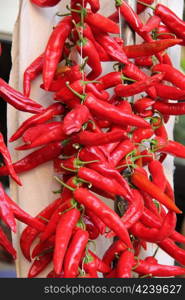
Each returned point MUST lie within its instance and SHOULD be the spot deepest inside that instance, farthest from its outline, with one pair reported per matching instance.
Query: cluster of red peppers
(103, 143)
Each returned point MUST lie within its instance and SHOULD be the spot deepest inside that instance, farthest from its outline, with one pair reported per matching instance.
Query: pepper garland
(104, 145)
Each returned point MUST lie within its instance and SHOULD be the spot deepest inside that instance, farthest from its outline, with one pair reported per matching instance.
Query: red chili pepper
(23, 216)
(91, 228)
(50, 228)
(101, 265)
(115, 248)
(74, 253)
(144, 267)
(141, 7)
(29, 234)
(7, 158)
(158, 176)
(171, 74)
(103, 183)
(44, 3)
(31, 72)
(39, 264)
(6, 212)
(173, 250)
(42, 134)
(74, 120)
(142, 104)
(120, 152)
(50, 112)
(97, 221)
(43, 247)
(63, 234)
(152, 23)
(109, 80)
(112, 113)
(88, 50)
(170, 147)
(17, 100)
(169, 92)
(88, 138)
(143, 183)
(138, 87)
(144, 62)
(170, 19)
(34, 159)
(101, 23)
(163, 32)
(142, 134)
(104, 212)
(172, 109)
(125, 264)
(114, 50)
(129, 15)
(54, 50)
(5, 243)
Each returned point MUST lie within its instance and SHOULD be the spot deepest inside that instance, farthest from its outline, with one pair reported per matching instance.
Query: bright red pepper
(125, 264)
(44, 3)
(5, 243)
(6, 212)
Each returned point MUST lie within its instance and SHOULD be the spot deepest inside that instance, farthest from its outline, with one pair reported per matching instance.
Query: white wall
(8, 14)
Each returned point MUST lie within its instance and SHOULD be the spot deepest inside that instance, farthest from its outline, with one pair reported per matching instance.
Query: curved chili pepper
(88, 138)
(31, 72)
(17, 100)
(50, 228)
(170, 19)
(109, 80)
(97, 221)
(49, 113)
(74, 120)
(173, 250)
(101, 265)
(157, 172)
(115, 248)
(125, 264)
(152, 23)
(141, 7)
(170, 147)
(34, 159)
(143, 183)
(29, 234)
(101, 23)
(101, 182)
(104, 212)
(138, 87)
(23, 216)
(171, 74)
(44, 3)
(142, 104)
(39, 264)
(169, 92)
(54, 50)
(149, 48)
(172, 109)
(144, 267)
(121, 151)
(7, 158)
(67, 222)
(129, 15)
(74, 253)
(6, 212)
(114, 50)
(43, 247)
(90, 265)
(91, 228)
(5, 243)
(89, 50)
(42, 134)
(112, 113)
(145, 61)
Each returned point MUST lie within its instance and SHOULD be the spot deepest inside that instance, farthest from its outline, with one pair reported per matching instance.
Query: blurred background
(8, 14)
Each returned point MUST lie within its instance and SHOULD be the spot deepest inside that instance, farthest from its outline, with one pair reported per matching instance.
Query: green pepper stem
(64, 184)
(67, 169)
(144, 4)
(82, 97)
(127, 78)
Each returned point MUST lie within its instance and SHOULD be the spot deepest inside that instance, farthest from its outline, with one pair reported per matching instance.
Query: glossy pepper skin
(34, 159)
(8, 161)
(6, 212)
(54, 50)
(44, 3)
(39, 264)
(50, 112)
(74, 253)
(18, 100)
(106, 214)
(5, 243)
(31, 72)
(143, 183)
(125, 264)
(67, 221)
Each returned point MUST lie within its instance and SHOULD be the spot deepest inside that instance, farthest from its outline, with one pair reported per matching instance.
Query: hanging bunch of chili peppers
(103, 143)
